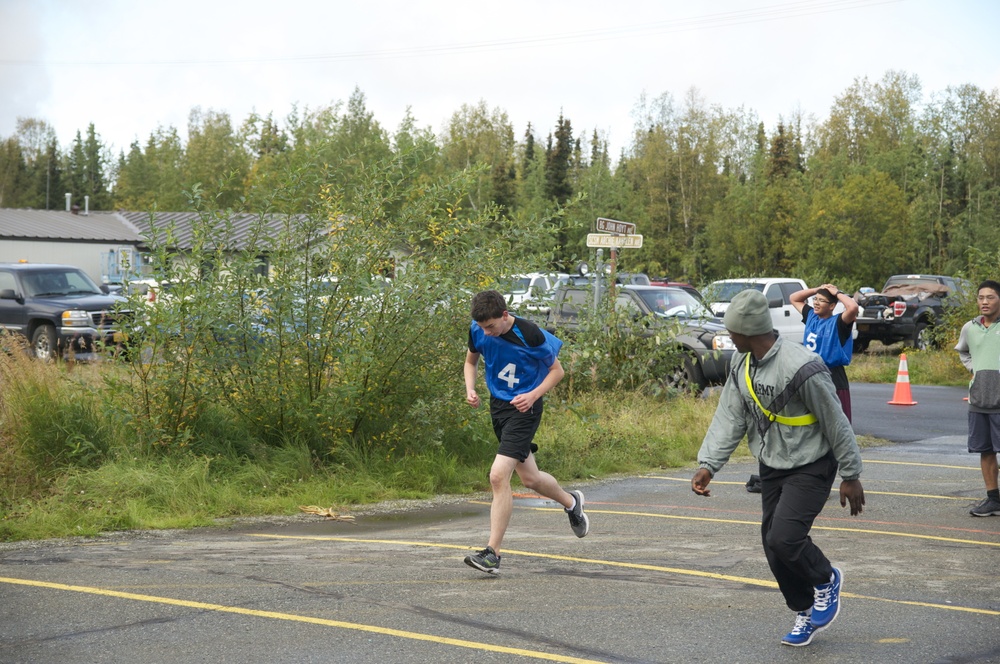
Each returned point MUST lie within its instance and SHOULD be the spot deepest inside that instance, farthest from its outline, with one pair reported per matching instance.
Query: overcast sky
(130, 66)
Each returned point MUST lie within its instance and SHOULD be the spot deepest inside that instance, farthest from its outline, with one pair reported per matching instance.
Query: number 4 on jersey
(507, 375)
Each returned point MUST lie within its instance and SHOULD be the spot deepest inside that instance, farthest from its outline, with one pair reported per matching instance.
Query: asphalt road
(939, 412)
(664, 576)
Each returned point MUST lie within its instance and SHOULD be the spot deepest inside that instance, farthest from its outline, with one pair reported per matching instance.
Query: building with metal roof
(96, 242)
(108, 245)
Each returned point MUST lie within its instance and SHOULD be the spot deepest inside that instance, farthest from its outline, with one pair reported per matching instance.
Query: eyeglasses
(819, 300)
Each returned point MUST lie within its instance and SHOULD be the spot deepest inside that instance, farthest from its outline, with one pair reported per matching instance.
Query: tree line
(891, 180)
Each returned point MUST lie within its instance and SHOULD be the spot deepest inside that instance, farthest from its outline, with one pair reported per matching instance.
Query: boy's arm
(799, 299)
(469, 368)
(524, 402)
(964, 354)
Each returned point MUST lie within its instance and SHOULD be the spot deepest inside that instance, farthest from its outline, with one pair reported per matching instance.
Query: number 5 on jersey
(507, 375)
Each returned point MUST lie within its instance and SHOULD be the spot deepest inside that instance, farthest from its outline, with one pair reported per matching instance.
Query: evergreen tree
(529, 145)
(781, 159)
(95, 170)
(76, 162)
(559, 154)
(49, 177)
(86, 166)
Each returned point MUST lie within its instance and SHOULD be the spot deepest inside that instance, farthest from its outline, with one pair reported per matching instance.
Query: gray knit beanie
(748, 314)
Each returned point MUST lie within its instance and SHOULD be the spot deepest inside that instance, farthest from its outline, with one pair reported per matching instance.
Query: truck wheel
(43, 343)
(922, 337)
(860, 345)
(686, 376)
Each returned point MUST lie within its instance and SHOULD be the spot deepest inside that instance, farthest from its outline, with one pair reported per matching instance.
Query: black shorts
(984, 433)
(515, 430)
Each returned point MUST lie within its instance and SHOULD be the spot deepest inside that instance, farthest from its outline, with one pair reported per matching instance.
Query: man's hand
(699, 483)
(472, 398)
(851, 491)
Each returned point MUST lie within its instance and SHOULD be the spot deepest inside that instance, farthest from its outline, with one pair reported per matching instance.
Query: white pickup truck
(787, 321)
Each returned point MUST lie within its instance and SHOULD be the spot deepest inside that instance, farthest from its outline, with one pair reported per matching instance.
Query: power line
(707, 22)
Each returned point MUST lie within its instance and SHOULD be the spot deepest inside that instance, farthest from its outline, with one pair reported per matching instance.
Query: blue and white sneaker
(826, 601)
(802, 632)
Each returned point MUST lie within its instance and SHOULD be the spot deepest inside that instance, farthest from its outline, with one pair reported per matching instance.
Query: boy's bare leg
(988, 462)
(503, 499)
(542, 483)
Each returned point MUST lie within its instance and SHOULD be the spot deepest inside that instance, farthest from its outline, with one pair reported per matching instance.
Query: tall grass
(929, 367)
(69, 467)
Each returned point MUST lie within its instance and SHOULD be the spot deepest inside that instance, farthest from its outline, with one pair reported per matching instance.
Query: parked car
(694, 292)
(787, 321)
(153, 290)
(521, 287)
(702, 338)
(632, 278)
(58, 309)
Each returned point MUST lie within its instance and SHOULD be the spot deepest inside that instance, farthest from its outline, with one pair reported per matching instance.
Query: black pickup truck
(906, 309)
(57, 308)
(697, 333)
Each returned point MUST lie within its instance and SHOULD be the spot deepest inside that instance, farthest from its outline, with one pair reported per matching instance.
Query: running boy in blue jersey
(521, 365)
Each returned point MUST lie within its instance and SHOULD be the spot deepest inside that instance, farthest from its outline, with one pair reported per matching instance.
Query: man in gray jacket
(780, 395)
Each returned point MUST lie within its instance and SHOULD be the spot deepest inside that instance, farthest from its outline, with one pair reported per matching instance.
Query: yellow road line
(274, 615)
(757, 523)
(967, 499)
(615, 563)
(926, 465)
(834, 490)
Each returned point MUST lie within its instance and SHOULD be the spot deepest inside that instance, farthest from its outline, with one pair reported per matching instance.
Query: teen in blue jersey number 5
(521, 366)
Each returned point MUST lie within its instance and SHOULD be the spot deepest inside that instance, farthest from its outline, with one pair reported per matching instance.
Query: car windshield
(59, 282)
(912, 281)
(669, 302)
(520, 285)
(725, 291)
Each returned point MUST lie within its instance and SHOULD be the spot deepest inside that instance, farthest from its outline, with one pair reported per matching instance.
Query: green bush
(353, 340)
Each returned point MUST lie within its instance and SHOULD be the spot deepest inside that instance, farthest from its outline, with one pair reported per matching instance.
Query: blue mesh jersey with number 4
(516, 362)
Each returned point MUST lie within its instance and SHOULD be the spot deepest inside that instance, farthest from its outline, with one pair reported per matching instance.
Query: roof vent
(68, 197)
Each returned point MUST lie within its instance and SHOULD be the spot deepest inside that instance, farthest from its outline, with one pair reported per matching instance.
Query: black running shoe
(486, 560)
(988, 507)
(578, 520)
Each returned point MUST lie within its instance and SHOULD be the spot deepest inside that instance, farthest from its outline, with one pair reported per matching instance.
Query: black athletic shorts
(515, 430)
(984, 433)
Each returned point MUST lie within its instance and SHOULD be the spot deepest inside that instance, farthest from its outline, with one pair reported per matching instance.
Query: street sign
(612, 226)
(616, 241)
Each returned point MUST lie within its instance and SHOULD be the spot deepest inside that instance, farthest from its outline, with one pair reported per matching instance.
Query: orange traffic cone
(902, 396)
